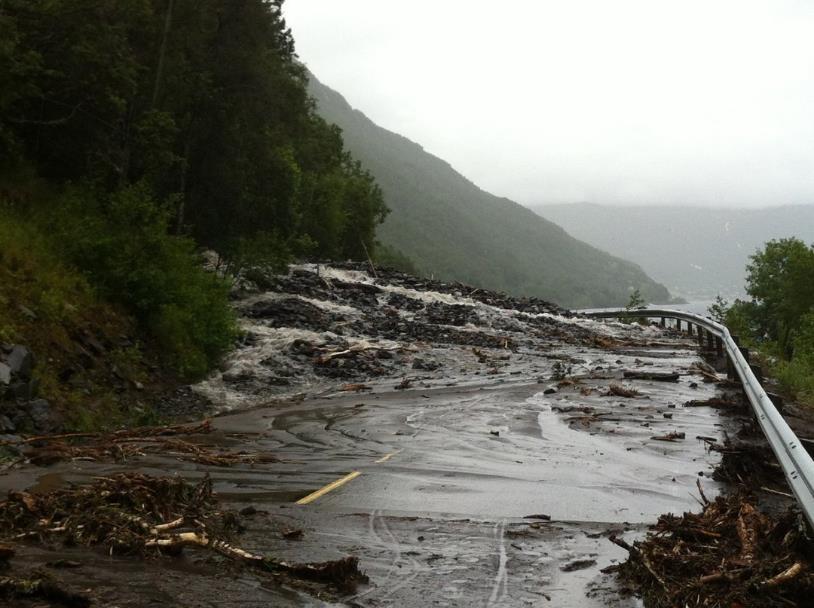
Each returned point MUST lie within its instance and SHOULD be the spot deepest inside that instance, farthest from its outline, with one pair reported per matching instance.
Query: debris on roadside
(731, 554)
(579, 564)
(617, 390)
(121, 446)
(706, 371)
(355, 388)
(717, 402)
(671, 436)
(139, 515)
(657, 376)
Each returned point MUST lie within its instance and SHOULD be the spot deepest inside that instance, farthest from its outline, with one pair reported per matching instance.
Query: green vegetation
(718, 309)
(122, 244)
(135, 133)
(778, 319)
(453, 230)
(390, 257)
(52, 308)
(202, 102)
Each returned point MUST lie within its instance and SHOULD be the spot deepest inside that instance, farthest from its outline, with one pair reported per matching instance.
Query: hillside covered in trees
(454, 230)
(133, 134)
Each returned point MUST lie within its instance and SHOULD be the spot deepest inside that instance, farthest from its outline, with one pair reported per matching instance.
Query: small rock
(427, 365)
(579, 564)
(6, 425)
(550, 390)
(20, 361)
(495, 433)
(5, 374)
(293, 534)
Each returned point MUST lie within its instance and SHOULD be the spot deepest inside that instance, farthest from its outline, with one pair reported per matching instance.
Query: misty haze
(362, 304)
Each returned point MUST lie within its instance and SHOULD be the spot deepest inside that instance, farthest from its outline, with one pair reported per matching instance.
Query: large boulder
(43, 416)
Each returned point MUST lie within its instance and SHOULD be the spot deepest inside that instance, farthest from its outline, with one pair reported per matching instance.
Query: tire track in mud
(500, 587)
(395, 547)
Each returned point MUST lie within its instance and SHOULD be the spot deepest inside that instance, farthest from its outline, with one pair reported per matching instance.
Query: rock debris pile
(319, 325)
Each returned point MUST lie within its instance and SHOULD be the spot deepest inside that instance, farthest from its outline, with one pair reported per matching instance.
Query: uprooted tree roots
(730, 556)
(142, 515)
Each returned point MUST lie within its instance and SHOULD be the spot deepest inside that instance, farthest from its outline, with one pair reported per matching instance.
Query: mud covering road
(471, 450)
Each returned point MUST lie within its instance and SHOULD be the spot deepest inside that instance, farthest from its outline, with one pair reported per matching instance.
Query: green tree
(718, 309)
(779, 281)
(636, 301)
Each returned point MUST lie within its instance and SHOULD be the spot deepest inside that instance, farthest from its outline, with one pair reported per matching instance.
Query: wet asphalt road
(440, 512)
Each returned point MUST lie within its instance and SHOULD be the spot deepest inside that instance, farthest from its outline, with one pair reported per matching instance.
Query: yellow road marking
(386, 457)
(331, 486)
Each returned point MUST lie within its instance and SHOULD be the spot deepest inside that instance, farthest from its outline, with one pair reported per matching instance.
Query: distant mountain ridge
(696, 252)
(453, 230)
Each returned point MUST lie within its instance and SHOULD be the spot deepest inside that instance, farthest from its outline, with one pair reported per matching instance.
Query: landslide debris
(729, 555)
(182, 442)
(134, 514)
(318, 324)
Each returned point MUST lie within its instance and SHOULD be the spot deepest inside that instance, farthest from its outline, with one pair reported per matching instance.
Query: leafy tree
(718, 309)
(779, 281)
(636, 301)
(202, 100)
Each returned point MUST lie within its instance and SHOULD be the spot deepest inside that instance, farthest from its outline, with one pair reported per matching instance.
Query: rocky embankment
(20, 408)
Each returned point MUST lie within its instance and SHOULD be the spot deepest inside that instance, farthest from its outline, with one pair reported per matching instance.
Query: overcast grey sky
(609, 101)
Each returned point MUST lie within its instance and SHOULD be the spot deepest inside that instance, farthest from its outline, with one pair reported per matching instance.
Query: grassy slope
(86, 359)
(454, 230)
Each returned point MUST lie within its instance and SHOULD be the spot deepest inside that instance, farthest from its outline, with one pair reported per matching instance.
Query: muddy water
(442, 521)
(483, 484)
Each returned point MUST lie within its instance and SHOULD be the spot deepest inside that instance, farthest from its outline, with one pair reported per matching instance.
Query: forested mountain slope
(454, 230)
(693, 250)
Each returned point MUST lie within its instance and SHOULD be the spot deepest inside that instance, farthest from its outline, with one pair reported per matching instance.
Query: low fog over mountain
(696, 252)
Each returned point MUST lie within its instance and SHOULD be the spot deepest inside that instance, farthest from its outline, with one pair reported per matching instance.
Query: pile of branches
(124, 445)
(126, 513)
(729, 555)
(749, 464)
(137, 514)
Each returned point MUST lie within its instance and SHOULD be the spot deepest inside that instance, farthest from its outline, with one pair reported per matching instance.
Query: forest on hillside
(133, 133)
(134, 136)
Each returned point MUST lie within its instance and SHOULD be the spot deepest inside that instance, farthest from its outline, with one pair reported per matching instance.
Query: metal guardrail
(795, 461)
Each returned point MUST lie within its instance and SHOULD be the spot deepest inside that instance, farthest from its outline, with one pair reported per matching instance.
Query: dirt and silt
(477, 450)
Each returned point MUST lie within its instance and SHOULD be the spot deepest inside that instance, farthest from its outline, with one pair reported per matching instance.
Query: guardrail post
(719, 346)
(689, 328)
(663, 322)
(758, 372)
